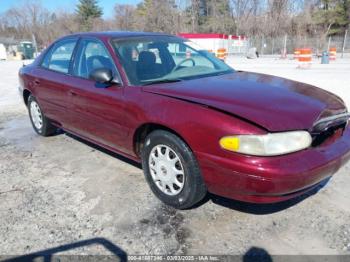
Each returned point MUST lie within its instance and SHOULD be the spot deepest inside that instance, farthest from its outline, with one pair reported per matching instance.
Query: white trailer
(209, 42)
(3, 54)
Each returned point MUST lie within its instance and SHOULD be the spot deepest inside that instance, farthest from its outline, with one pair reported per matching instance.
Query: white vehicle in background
(3, 55)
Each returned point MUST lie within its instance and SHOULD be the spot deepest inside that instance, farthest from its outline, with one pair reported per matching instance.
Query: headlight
(267, 145)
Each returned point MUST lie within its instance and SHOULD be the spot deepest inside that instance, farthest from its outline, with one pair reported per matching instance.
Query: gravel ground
(61, 191)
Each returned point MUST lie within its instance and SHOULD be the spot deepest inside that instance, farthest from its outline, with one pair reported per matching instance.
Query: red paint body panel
(272, 179)
(274, 103)
(51, 90)
(201, 112)
(87, 106)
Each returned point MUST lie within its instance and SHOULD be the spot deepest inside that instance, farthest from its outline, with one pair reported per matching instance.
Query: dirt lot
(59, 191)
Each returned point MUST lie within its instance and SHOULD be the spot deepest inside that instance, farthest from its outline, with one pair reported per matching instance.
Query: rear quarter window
(59, 57)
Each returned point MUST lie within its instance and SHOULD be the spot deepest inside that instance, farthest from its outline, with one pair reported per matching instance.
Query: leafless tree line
(257, 18)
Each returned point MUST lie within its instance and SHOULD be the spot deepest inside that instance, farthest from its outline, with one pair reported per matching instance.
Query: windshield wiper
(160, 81)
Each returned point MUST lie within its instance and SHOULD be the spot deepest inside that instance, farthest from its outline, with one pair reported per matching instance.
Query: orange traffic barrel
(296, 53)
(332, 53)
(221, 53)
(305, 57)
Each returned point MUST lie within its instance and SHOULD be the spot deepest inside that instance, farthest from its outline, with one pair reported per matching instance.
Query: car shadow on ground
(103, 150)
(256, 209)
(55, 254)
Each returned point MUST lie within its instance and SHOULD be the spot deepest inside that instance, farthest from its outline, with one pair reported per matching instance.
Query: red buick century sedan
(194, 123)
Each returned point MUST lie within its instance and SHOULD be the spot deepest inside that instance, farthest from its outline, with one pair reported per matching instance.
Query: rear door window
(59, 57)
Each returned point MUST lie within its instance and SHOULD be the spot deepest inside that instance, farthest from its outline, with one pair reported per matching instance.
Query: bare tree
(242, 10)
(28, 20)
(125, 16)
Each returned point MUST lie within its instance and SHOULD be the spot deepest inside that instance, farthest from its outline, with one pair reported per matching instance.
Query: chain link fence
(276, 45)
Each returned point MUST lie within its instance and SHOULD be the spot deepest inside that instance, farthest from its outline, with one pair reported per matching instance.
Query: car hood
(274, 103)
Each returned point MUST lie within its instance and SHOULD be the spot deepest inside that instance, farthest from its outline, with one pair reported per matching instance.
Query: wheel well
(143, 131)
(26, 95)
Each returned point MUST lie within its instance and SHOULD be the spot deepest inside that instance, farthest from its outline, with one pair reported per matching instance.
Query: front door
(96, 113)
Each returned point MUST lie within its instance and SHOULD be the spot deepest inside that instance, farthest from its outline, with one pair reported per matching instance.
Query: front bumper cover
(273, 179)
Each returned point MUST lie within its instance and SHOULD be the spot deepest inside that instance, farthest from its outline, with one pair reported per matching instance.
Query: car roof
(119, 34)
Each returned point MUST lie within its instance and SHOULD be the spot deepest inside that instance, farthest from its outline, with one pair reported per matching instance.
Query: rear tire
(40, 122)
(172, 171)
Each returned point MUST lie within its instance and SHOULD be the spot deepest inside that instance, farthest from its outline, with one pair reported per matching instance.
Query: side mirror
(103, 76)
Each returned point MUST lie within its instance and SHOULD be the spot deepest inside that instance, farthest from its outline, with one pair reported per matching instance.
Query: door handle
(36, 81)
(72, 93)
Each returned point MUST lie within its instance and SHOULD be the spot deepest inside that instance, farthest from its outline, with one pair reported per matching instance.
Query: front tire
(171, 170)
(40, 123)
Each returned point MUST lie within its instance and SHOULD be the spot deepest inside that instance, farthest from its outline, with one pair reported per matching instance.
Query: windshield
(159, 59)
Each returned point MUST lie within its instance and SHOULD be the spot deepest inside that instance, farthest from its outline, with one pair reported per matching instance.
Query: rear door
(96, 113)
(51, 80)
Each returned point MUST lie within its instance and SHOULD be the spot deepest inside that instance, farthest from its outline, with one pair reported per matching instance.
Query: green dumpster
(27, 49)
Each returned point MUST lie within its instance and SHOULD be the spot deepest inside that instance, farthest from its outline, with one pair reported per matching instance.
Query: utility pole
(285, 46)
(329, 43)
(35, 44)
(344, 43)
